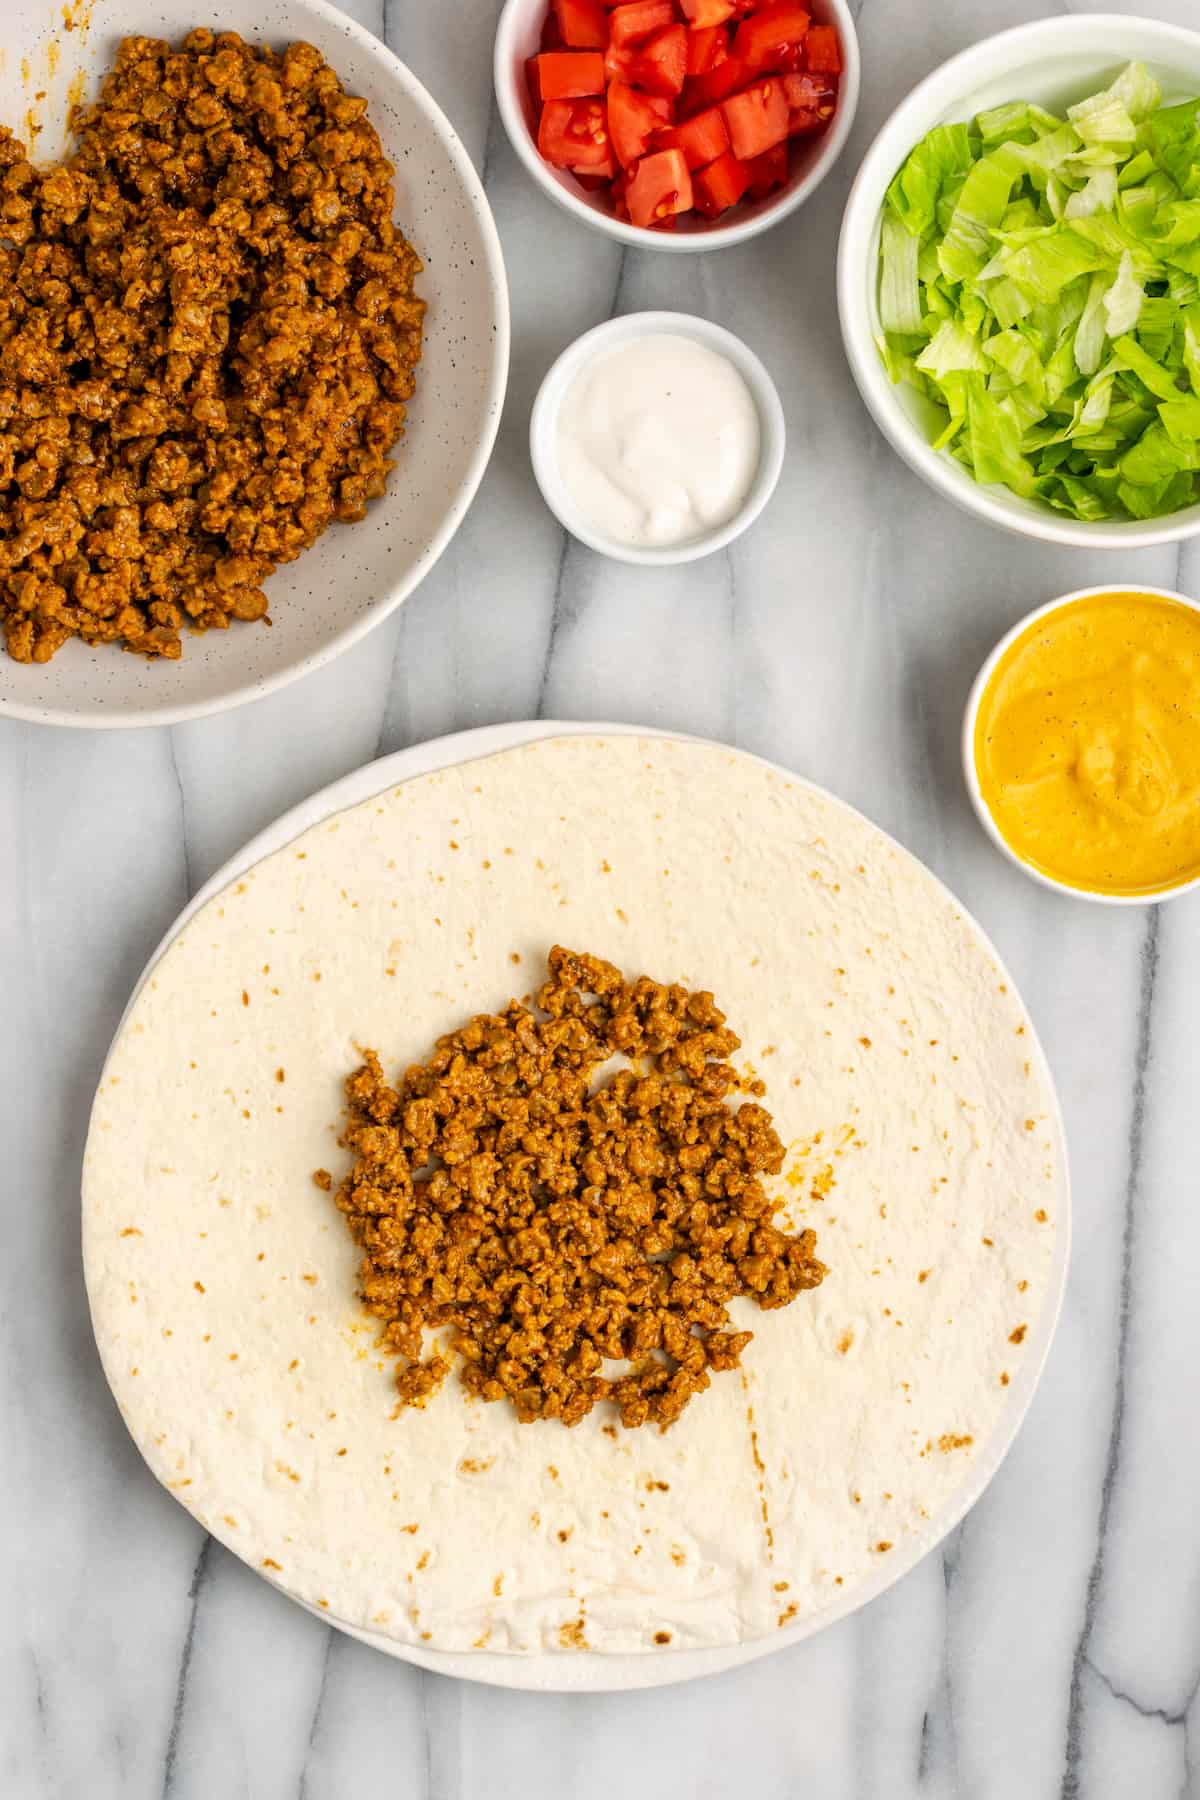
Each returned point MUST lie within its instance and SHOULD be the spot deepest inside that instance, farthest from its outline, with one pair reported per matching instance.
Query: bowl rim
(625, 328)
(102, 718)
(967, 745)
(903, 127)
(714, 236)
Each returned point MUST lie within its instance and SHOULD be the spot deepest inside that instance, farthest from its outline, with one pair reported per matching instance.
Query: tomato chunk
(822, 52)
(708, 90)
(702, 138)
(573, 134)
(812, 101)
(706, 48)
(639, 19)
(552, 37)
(660, 187)
(582, 24)
(659, 65)
(768, 171)
(720, 186)
(765, 39)
(568, 74)
(633, 118)
(707, 12)
(756, 119)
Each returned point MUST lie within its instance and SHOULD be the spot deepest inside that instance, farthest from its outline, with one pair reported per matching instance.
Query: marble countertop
(1052, 1646)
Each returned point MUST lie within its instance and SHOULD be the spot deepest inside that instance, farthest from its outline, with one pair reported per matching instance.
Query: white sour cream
(658, 441)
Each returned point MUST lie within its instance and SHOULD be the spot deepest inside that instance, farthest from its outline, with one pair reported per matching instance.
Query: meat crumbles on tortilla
(556, 1226)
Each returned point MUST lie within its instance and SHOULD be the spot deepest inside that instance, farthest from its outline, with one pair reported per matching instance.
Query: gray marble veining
(1052, 1648)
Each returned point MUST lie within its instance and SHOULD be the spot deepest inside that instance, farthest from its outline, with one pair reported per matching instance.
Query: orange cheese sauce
(1087, 744)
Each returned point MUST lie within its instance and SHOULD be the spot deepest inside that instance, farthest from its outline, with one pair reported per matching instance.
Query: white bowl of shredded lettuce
(1019, 280)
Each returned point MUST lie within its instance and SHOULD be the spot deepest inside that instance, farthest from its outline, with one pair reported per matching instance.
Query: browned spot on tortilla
(924, 1274)
(199, 1287)
(1041, 1215)
(284, 1469)
(865, 1042)
(789, 1612)
(1021, 1286)
(230, 1520)
(883, 1545)
(678, 1556)
(950, 1440)
(1018, 1336)
(846, 1341)
(311, 1279)
(280, 1075)
(131, 1231)
(412, 1529)
(565, 1533)
(473, 1465)
(662, 1637)
(572, 1636)
(781, 1587)
(498, 1586)
(1004, 1378)
(268, 1562)
(423, 1561)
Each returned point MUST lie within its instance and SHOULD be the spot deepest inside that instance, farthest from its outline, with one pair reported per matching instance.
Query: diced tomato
(720, 186)
(812, 101)
(573, 134)
(633, 118)
(756, 119)
(769, 37)
(660, 186)
(638, 20)
(702, 138)
(662, 61)
(707, 12)
(531, 80)
(706, 47)
(582, 24)
(822, 52)
(552, 38)
(709, 90)
(595, 179)
(768, 171)
(569, 74)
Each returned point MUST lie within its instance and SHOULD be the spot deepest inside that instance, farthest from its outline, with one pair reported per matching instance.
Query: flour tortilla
(902, 1073)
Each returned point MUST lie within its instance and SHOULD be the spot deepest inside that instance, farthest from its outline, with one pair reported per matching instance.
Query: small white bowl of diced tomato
(683, 124)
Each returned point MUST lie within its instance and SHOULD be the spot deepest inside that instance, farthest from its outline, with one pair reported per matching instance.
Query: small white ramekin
(971, 771)
(543, 433)
(518, 36)
(1055, 62)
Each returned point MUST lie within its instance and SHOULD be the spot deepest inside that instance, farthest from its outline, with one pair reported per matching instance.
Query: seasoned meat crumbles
(208, 334)
(556, 1227)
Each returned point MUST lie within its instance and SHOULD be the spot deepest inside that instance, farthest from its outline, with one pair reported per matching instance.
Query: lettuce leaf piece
(1123, 300)
(944, 154)
(1173, 139)
(899, 291)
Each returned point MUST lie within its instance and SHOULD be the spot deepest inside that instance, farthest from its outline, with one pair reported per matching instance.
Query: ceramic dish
(517, 38)
(543, 433)
(588, 1671)
(1054, 62)
(352, 577)
(971, 771)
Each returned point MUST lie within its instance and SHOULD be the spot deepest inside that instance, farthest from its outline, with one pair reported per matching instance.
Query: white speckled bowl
(354, 575)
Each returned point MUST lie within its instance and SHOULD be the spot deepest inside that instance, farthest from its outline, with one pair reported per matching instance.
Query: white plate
(353, 576)
(593, 1672)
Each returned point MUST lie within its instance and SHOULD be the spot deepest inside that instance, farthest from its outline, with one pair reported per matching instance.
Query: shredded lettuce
(1040, 284)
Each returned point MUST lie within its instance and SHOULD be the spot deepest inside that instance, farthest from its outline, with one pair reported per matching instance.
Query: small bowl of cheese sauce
(1081, 744)
(657, 438)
